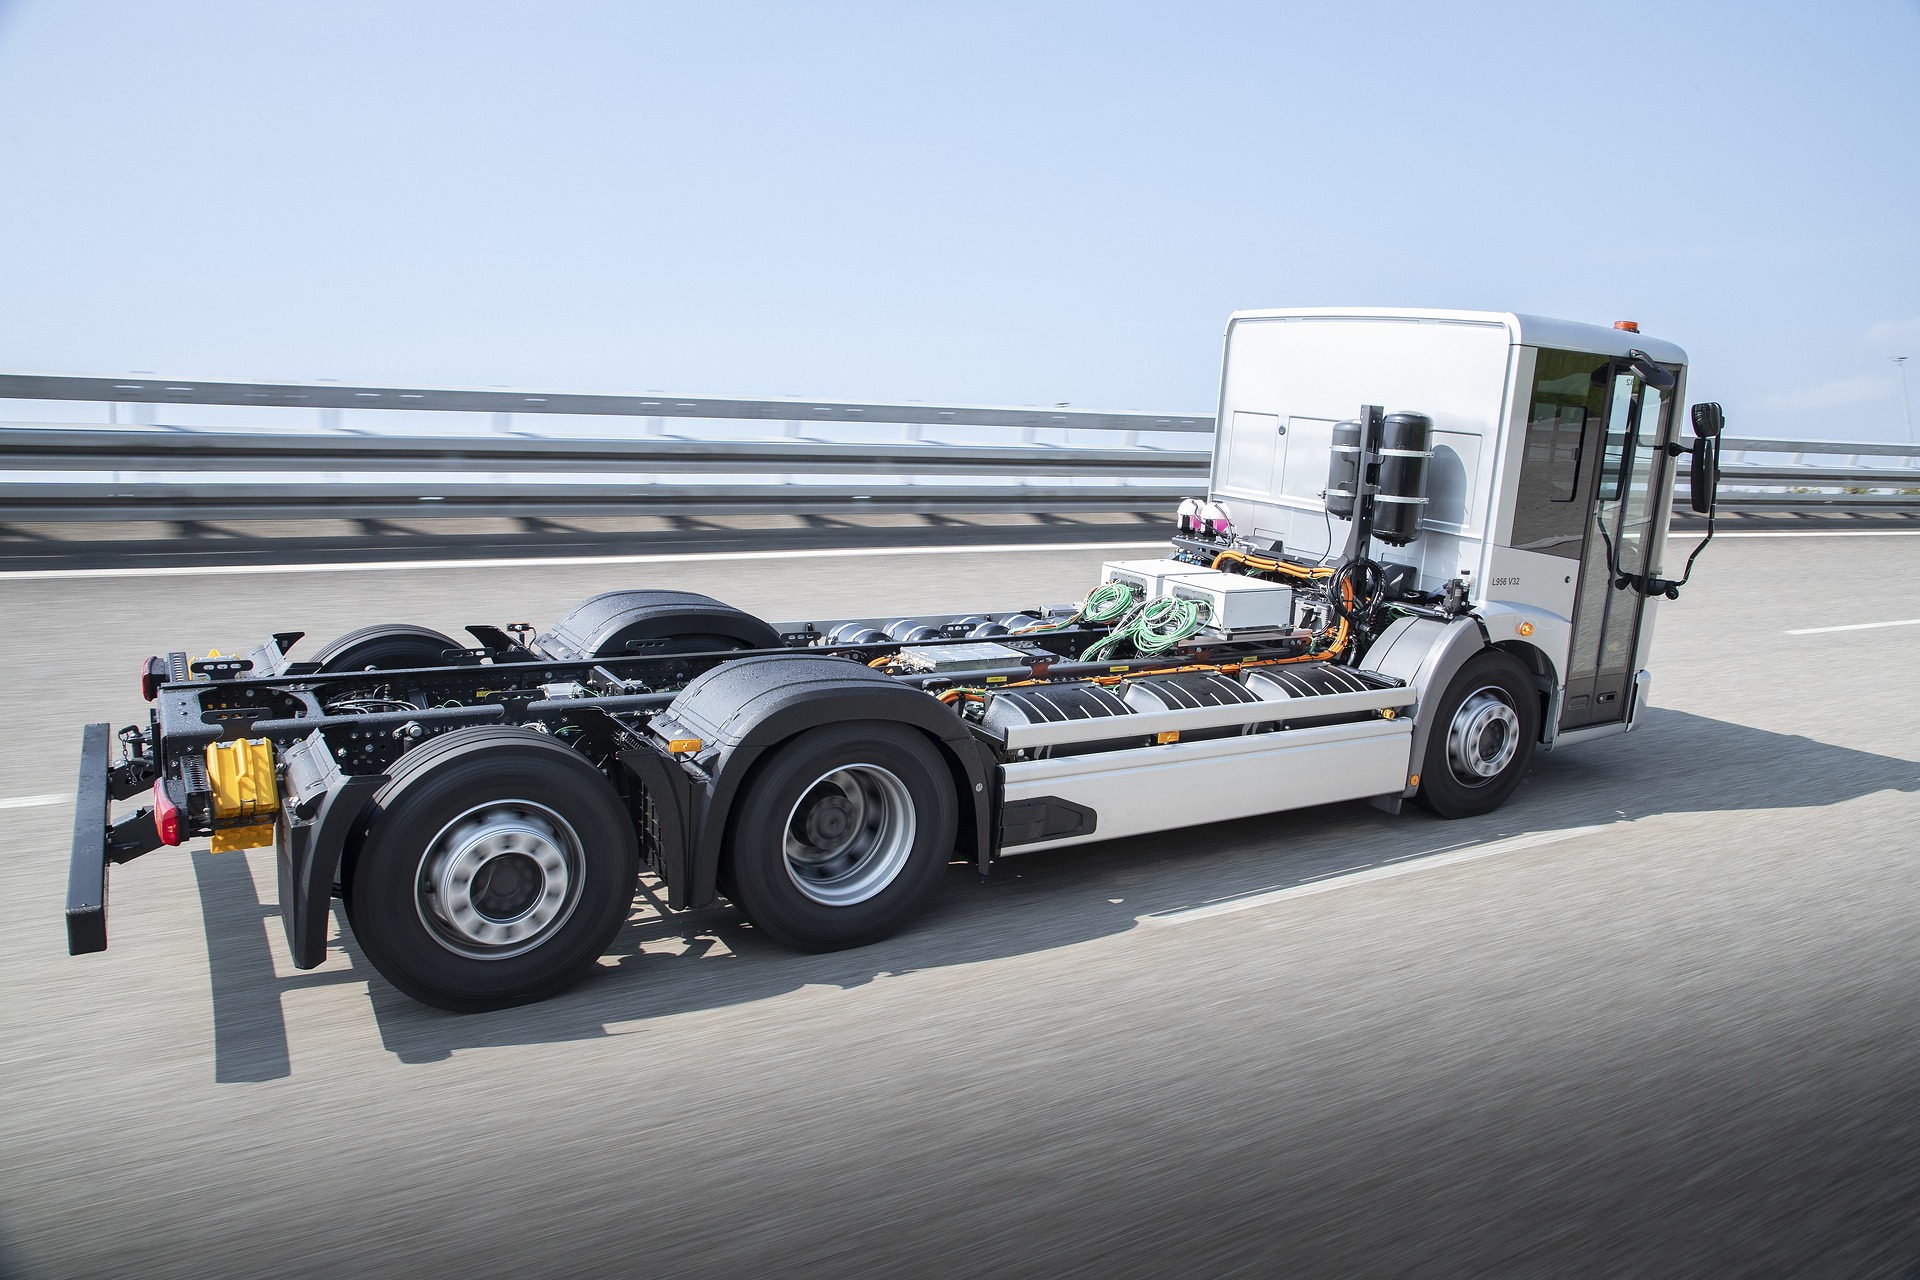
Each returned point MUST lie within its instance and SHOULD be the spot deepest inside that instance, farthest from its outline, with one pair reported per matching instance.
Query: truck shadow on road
(664, 964)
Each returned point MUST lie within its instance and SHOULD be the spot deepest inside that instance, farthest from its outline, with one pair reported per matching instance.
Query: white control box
(1234, 603)
(1148, 577)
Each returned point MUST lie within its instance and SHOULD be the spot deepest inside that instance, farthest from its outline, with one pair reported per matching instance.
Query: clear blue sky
(1022, 203)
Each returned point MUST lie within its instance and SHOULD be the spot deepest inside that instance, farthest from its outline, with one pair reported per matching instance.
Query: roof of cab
(1531, 331)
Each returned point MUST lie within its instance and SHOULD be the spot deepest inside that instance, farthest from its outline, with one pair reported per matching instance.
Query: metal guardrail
(168, 472)
(1796, 485)
(163, 472)
(302, 395)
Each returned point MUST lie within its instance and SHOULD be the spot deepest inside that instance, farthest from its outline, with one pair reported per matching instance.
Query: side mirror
(1708, 420)
(1651, 373)
(1703, 478)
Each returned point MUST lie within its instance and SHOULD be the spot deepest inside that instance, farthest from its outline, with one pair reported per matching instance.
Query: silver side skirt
(1184, 784)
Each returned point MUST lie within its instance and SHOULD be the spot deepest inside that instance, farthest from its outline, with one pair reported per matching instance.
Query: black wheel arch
(391, 646)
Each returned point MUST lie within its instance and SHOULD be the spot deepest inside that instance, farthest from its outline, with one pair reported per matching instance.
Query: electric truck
(1431, 546)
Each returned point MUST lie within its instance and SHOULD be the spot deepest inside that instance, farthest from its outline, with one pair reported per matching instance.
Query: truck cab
(1547, 491)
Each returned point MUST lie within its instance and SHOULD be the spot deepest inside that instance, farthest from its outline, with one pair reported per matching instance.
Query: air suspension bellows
(1406, 442)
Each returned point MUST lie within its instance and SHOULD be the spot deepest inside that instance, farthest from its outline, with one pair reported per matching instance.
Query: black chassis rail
(335, 763)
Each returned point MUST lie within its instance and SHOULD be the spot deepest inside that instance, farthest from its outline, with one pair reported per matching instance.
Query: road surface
(1658, 1016)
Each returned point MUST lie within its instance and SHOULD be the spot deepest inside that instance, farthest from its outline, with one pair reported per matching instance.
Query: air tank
(1343, 469)
(1406, 442)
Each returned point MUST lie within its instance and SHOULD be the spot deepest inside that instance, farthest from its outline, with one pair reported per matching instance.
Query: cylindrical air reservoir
(1343, 470)
(1406, 442)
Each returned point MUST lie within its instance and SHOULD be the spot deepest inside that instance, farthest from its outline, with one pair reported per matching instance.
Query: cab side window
(1564, 430)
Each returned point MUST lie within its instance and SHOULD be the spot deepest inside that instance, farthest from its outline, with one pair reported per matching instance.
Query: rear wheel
(493, 869)
(842, 837)
(1481, 743)
(391, 646)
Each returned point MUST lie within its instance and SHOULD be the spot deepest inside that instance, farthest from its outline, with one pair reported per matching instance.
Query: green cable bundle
(1154, 627)
(1106, 601)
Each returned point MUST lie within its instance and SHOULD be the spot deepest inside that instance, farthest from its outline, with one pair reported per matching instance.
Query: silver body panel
(1186, 784)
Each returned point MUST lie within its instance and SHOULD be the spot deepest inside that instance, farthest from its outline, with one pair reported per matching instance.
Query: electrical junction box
(1148, 577)
(976, 656)
(1234, 603)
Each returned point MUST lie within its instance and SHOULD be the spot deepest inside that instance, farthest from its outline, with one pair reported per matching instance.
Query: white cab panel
(1289, 376)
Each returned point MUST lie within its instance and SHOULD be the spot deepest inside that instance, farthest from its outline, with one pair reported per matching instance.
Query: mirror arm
(1650, 371)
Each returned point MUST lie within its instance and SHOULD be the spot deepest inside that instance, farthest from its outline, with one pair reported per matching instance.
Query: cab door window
(1557, 464)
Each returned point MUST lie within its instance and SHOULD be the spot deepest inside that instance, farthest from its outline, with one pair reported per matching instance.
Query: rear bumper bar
(87, 873)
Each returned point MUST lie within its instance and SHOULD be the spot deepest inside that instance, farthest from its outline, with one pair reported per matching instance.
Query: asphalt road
(1680, 1044)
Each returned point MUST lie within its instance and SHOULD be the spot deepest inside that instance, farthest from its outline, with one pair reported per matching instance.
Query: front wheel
(842, 836)
(493, 869)
(1481, 742)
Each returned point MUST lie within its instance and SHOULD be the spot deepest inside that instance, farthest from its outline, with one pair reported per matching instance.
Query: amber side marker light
(678, 745)
(1526, 628)
(1631, 326)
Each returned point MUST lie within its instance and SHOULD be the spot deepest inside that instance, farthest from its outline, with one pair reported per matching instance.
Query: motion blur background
(988, 203)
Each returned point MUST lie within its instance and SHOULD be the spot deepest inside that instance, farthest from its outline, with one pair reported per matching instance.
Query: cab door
(1622, 497)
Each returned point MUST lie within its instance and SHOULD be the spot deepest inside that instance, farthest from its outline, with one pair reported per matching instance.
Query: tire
(493, 869)
(842, 836)
(1481, 742)
(391, 646)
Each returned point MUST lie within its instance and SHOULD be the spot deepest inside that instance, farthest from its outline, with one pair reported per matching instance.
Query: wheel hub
(1483, 737)
(849, 835)
(499, 880)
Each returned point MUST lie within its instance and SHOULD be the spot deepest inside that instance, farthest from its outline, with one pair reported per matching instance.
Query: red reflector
(166, 818)
(152, 676)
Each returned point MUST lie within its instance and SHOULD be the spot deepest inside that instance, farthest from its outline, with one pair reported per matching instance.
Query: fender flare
(743, 710)
(1426, 653)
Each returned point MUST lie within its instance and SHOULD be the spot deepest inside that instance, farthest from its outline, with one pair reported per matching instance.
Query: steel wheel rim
(1483, 738)
(848, 835)
(499, 880)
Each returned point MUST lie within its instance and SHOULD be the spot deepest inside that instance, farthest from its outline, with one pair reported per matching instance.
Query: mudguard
(743, 709)
(317, 813)
(1426, 653)
(665, 621)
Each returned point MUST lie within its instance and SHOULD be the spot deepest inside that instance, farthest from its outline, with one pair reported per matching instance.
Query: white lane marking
(34, 802)
(554, 562)
(1799, 533)
(1513, 844)
(1855, 626)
